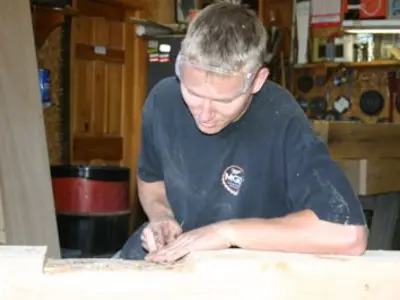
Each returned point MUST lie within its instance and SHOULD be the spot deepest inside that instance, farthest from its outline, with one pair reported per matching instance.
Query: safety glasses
(236, 84)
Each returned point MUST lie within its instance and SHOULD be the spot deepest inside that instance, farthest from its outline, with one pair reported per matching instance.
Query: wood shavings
(79, 265)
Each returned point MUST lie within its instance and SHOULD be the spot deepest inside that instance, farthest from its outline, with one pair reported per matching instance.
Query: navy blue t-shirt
(267, 164)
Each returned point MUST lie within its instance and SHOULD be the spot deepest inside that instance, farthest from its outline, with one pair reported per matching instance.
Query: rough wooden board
(347, 140)
(372, 176)
(25, 186)
(227, 274)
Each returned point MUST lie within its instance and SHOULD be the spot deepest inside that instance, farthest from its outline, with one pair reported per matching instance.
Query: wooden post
(25, 186)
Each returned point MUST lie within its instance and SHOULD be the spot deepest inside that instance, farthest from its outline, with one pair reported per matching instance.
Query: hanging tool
(318, 107)
(371, 102)
(275, 37)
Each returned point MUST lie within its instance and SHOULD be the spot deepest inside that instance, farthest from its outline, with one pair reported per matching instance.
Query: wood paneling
(163, 11)
(97, 79)
(91, 8)
(25, 187)
(90, 53)
(102, 148)
(107, 93)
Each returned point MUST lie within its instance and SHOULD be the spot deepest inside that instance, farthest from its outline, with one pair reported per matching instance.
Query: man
(228, 158)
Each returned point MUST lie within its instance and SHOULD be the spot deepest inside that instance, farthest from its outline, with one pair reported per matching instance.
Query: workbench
(225, 274)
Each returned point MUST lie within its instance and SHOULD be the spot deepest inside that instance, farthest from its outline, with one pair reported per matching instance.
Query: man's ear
(262, 76)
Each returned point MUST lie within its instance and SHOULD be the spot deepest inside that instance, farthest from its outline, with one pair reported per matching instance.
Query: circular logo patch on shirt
(232, 179)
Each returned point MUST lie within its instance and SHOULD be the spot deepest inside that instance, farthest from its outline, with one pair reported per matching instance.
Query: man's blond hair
(227, 37)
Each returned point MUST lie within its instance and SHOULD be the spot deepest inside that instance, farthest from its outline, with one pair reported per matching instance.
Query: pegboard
(357, 85)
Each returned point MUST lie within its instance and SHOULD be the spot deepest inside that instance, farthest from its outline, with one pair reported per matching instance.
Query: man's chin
(209, 130)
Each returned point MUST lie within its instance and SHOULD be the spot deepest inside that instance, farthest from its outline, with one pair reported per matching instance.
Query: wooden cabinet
(107, 86)
(98, 90)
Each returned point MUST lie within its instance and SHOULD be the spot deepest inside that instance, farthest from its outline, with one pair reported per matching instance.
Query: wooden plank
(348, 140)
(214, 275)
(87, 52)
(356, 173)
(383, 176)
(87, 148)
(25, 185)
(135, 80)
(22, 261)
(372, 176)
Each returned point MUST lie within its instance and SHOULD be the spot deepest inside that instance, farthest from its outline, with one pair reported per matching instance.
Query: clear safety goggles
(236, 84)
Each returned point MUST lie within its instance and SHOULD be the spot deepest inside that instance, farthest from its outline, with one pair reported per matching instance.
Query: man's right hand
(159, 233)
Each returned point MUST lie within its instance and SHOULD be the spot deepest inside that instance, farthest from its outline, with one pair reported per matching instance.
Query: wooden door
(108, 87)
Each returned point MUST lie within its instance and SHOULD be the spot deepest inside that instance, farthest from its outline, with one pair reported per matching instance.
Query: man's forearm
(301, 232)
(153, 199)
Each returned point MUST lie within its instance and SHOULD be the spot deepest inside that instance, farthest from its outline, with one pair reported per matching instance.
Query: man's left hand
(211, 237)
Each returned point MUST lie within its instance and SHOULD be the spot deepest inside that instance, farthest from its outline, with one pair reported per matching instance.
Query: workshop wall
(49, 57)
(347, 94)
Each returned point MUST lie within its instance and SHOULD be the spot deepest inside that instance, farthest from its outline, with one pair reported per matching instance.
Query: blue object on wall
(45, 87)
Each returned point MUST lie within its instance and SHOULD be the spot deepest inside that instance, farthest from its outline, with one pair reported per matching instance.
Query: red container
(92, 205)
(90, 189)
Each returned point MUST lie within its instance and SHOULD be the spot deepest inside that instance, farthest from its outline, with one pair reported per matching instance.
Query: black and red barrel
(92, 206)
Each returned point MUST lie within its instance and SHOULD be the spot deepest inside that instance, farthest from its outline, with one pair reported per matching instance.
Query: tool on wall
(396, 101)
(320, 80)
(342, 76)
(45, 87)
(275, 38)
(355, 119)
(303, 13)
(305, 83)
(393, 81)
(371, 102)
(318, 107)
(332, 115)
(341, 105)
(303, 103)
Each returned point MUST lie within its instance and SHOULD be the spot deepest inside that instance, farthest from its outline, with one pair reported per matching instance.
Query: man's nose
(205, 113)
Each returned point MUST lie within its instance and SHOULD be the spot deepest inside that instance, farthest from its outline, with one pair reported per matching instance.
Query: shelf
(372, 26)
(367, 64)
